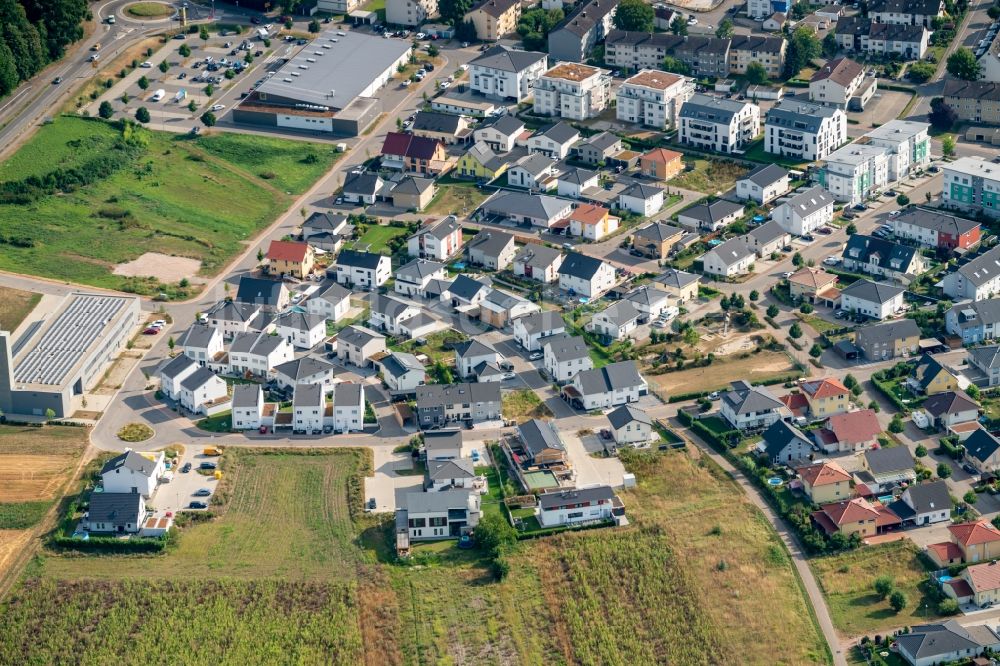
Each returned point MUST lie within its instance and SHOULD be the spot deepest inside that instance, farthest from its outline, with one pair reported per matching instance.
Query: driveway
(590, 471)
(176, 495)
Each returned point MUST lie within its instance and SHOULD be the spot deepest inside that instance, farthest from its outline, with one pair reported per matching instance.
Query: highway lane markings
(14, 98)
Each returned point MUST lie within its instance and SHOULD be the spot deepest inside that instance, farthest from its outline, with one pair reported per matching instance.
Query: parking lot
(176, 495)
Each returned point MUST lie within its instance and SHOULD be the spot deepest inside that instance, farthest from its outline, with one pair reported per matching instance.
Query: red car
(151, 331)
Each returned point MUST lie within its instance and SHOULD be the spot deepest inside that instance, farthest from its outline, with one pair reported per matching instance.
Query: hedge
(886, 390)
(110, 545)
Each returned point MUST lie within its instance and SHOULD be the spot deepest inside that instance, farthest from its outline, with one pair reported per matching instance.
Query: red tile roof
(851, 511)
(886, 516)
(588, 213)
(796, 403)
(822, 474)
(280, 250)
(945, 552)
(824, 388)
(983, 576)
(960, 587)
(854, 427)
(973, 534)
(408, 145)
(661, 155)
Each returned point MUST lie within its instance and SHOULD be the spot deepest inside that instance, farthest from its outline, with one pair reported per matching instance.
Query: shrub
(920, 451)
(898, 600)
(142, 114)
(947, 607)
(943, 470)
(884, 586)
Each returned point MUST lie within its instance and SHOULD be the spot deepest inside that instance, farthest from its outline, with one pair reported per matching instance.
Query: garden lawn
(456, 197)
(848, 581)
(523, 404)
(376, 238)
(149, 9)
(436, 346)
(709, 175)
(174, 197)
(15, 305)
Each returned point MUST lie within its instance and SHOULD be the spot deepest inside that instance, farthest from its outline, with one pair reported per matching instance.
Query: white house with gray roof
(574, 182)
(554, 141)
(987, 360)
(301, 329)
(804, 212)
(574, 506)
(303, 370)
(538, 262)
(257, 353)
(505, 73)
(133, 472)
(649, 300)
(443, 475)
(173, 373)
(440, 405)
(734, 257)
(362, 269)
(945, 642)
(527, 209)
(466, 292)
(530, 330)
(564, 356)
(641, 199)
(764, 184)
(977, 280)
(388, 313)
(615, 322)
(499, 308)
(630, 425)
(331, 301)
(711, 216)
(748, 407)
(614, 384)
(412, 278)
(434, 516)
(768, 238)
(248, 407)
(499, 133)
(803, 130)
(202, 343)
(877, 300)
(203, 392)
(348, 407)
(357, 344)
(533, 172)
(401, 371)
(975, 321)
(491, 249)
(436, 241)
(472, 354)
(231, 317)
(720, 125)
(308, 408)
(586, 276)
(597, 149)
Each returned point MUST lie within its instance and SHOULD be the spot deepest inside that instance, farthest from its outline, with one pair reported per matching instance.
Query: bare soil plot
(15, 305)
(35, 462)
(161, 266)
(754, 368)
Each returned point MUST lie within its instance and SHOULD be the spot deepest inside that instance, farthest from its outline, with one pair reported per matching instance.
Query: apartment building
(908, 144)
(409, 12)
(803, 130)
(721, 125)
(767, 51)
(653, 98)
(975, 101)
(840, 81)
(494, 18)
(906, 12)
(855, 172)
(505, 73)
(972, 184)
(573, 38)
(572, 90)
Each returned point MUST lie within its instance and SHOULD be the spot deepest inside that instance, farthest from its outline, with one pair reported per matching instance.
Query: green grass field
(201, 198)
(149, 9)
(376, 238)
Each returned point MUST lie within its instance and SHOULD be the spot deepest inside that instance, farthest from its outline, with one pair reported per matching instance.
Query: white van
(158, 95)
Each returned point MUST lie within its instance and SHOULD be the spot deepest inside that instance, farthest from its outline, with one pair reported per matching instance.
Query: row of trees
(34, 33)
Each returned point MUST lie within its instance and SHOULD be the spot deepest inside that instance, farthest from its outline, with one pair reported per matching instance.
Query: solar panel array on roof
(68, 337)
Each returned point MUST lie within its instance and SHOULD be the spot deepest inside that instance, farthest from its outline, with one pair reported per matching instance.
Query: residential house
(573, 38)
(949, 641)
(362, 187)
(257, 353)
(442, 444)
(574, 182)
(764, 184)
(630, 425)
(644, 51)
(348, 407)
(890, 339)
(679, 285)
(365, 270)
(656, 240)
(840, 82)
(614, 384)
(499, 133)
(527, 209)
(598, 149)
(564, 356)
(825, 397)
(388, 313)
(773, 23)
(924, 504)
(290, 258)
(584, 275)
(500, 308)
(748, 407)
(591, 221)
(491, 249)
(976, 280)
(401, 371)
(971, 184)
(855, 172)
(661, 164)
(653, 98)
(849, 431)
(447, 514)
(331, 301)
(409, 12)
(357, 344)
(494, 19)
(535, 172)
(804, 131)
(415, 154)
(936, 230)
(413, 277)
(442, 404)
(308, 409)
(861, 34)
(762, 49)
(268, 295)
(576, 506)
(437, 241)
(530, 329)
(813, 285)
(472, 354)
(555, 141)
(538, 262)
(641, 199)
(907, 12)
(115, 513)
(886, 469)
(881, 258)
(301, 329)
(201, 343)
(302, 370)
(466, 292)
(650, 301)
(784, 444)
(202, 391)
(977, 541)
(133, 472)
(907, 143)
(572, 90)
(825, 482)
(734, 257)
(987, 361)
(448, 128)
(804, 212)
(982, 449)
(704, 55)
(877, 300)
(951, 408)
(232, 317)
(767, 239)
(711, 216)
(480, 162)
(447, 474)
(541, 442)
(930, 377)
(974, 101)
(855, 516)
(974, 322)
(720, 125)
(615, 322)
(505, 73)
(413, 193)
(248, 407)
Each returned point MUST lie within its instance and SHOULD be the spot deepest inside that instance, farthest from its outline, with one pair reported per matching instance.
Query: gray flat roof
(81, 323)
(342, 63)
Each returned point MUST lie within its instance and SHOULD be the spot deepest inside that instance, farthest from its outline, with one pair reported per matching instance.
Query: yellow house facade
(825, 483)
(826, 397)
(494, 18)
(480, 165)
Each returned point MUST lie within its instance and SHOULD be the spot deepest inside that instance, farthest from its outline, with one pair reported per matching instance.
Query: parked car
(535, 356)
(372, 504)
(56, 81)
(152, 330)
(895, 213)
(787, 274)
(197, 505)
(146, 65)
(714, 395)
(202, 492)
(218, 107)
(208, 465)
(825, 230)
(186, 468)
(509, 375)
(968, 467)
(860, 207)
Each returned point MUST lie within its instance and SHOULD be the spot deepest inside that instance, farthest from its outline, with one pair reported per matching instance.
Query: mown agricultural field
(283, 575)
(82, 196)
(15, 305)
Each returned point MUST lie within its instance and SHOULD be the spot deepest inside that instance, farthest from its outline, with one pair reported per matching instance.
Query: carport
(846, 350)
(360, 17)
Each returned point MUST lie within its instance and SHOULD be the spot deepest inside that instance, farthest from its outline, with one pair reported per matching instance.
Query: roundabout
(148, 11)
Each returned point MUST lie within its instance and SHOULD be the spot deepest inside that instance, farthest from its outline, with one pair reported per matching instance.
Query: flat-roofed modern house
(804, 131)
(54, 362)
(331, 85)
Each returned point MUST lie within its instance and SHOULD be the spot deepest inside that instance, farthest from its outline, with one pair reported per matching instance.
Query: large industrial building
(329, 86)
(63, 352)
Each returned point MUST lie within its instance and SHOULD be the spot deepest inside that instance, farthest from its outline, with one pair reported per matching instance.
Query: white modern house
(133, 472)
(401, 371)
(436, 241)
(530, 330)
(576, 506)
(586, 276)
(564, 356)
(855, 172)
(301, 329)
(258, 353)
(720, 125)
(505, 73)
(173, 373)
(203, 392)
(877, 300)
(615, 322)
(734, 257)
(804, 212)
(412, 278)
(332, 301)
(804, 131)
(248, 407)
(308, 408)
(201, 343)
(348, 407)
(764, 184)
(366, 270)
(598, 388)
(641, 199)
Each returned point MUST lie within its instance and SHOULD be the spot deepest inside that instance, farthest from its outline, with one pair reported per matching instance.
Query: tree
(203, 33)
(920, 451)
(50, 413)
(184, 51)
(260, 255)
(314, 26)
(795, 331)
(142, 114)
(679, 26)
(756, 74)
(466, 31)
(106, 110)
(851, 229)
(754, 295)
(806, 308)
(453, 11)
(634, 15)
(671, 64)
(973, 391)
(192, 105)
(691, 336)
(970, 497)
(797, 260)
(993, 12)
(942, 116)
(921, 71)
(772, 311)
(208, 119)
(495, 535)
(725, 29)
(896, 424)
(903, 200)
(962, 64)
(948, 145)
(884, 586)
(143, 83)
(802, 47)
(872, 405)
(433, 51)
(898, 600)
(164, 66)
(857, 390)
(816, 351)
(171, 343)
(943, 470)
(230, 74)
(850, 381)
(830, 47)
